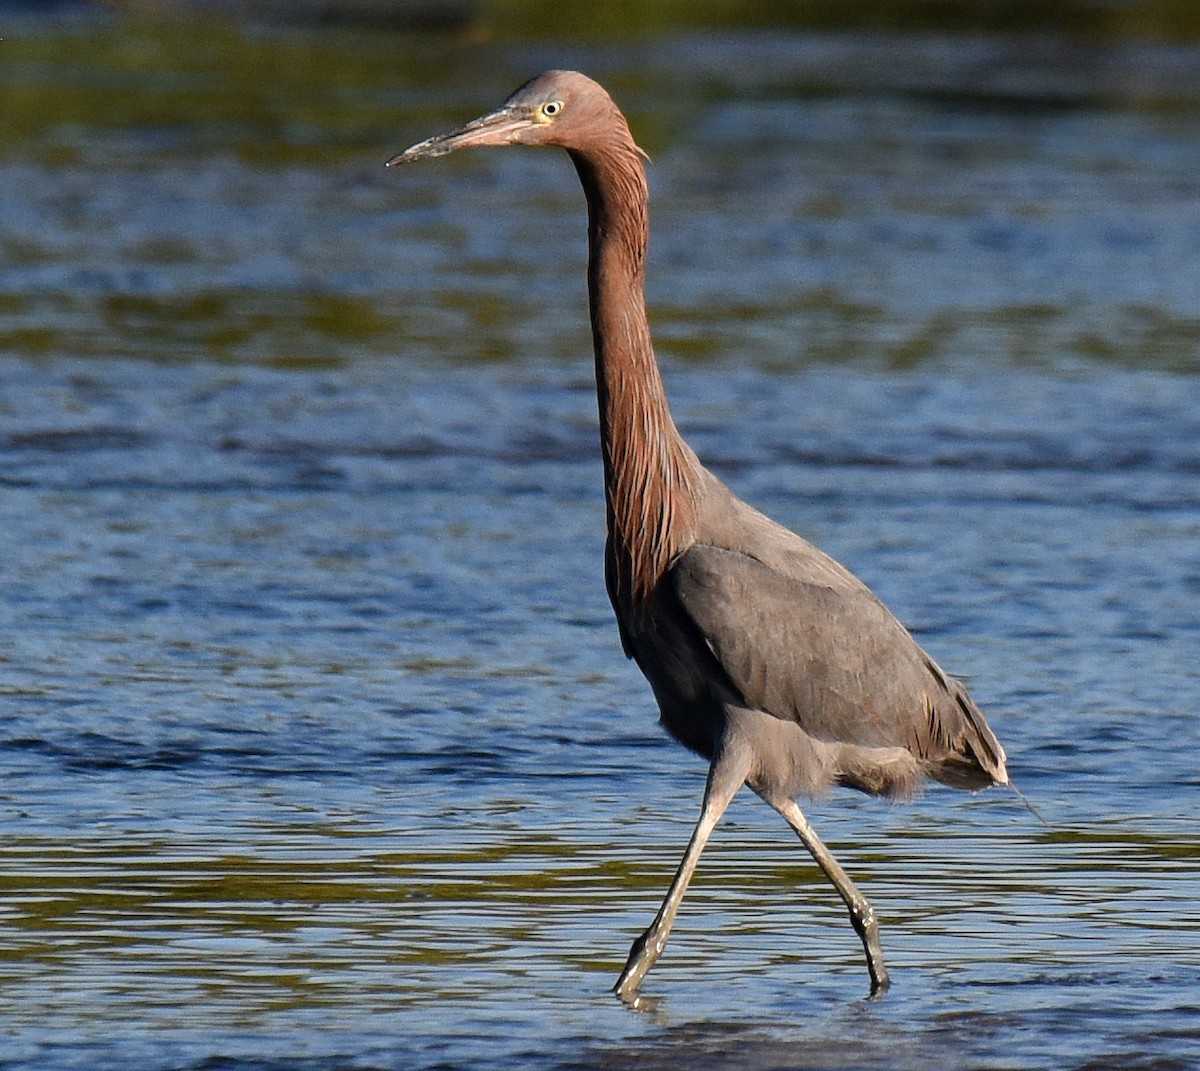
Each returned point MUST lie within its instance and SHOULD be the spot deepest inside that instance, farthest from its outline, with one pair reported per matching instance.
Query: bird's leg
(862, 915)
(725, 777)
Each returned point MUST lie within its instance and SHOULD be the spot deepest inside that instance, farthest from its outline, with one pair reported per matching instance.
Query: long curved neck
(651, 476)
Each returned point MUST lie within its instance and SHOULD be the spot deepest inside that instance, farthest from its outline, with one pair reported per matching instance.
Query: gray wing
(831, 657)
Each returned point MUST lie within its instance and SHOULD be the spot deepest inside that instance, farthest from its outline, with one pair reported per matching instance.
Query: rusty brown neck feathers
(651, 476)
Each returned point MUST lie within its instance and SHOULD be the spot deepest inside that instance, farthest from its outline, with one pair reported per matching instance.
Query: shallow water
(317, 747)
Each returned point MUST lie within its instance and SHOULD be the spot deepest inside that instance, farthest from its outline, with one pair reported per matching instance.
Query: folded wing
(832, 658)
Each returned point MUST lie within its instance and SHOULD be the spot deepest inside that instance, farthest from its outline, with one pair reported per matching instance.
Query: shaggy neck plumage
(651, 476)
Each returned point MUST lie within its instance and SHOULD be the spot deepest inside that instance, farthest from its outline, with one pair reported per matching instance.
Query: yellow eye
(549, 110)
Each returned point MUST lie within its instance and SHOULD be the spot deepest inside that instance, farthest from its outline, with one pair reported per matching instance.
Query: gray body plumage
(758, 632)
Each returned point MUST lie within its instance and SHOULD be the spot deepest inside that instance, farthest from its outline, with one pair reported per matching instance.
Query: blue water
(317, 746)
(319, 742)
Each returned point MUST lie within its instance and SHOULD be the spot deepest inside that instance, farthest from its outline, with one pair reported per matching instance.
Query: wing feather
(831, 657)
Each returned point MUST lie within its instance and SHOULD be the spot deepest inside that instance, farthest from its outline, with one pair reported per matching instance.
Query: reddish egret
(766, 657)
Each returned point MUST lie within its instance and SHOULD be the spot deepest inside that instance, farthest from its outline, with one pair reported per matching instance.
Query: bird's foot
(627, 994)
(879, 983)
(642, 956)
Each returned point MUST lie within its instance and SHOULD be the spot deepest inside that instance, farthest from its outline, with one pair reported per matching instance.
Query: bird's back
(756, 632)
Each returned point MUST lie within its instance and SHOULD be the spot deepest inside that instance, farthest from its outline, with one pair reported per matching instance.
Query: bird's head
(563, 108)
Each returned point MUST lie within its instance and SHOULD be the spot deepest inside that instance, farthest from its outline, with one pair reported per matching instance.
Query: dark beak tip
(423, 150)
(489, 129)
(406, 157)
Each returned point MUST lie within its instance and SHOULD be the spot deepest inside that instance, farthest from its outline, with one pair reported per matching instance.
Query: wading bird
(767, 658)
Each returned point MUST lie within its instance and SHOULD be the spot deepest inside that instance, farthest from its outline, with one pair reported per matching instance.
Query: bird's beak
(496, 128)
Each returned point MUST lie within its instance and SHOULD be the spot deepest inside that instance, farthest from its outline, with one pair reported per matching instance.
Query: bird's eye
(551, 108)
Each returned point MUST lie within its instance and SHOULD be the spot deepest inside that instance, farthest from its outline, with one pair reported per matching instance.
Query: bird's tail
(1028, 806)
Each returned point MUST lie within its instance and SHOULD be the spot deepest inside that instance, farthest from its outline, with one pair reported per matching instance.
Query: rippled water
(317, 747)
